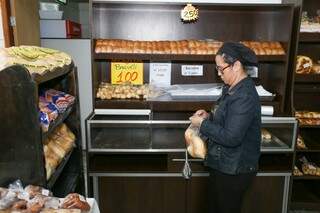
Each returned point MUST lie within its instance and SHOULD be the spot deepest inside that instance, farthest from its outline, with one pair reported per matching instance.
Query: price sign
(122, 72)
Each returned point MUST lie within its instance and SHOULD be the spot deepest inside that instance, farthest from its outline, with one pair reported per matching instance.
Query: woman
(233, 130)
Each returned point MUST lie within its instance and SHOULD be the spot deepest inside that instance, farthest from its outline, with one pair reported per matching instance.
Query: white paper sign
(252, 71)
(192, 70)
(160, 74)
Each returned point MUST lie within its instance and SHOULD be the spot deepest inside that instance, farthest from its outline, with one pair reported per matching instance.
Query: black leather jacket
(234, 130)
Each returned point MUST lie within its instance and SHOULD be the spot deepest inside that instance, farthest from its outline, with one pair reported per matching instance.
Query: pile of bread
(193, 47)
(123, 91)
(308, 117)
(307, 167)
(36, 59)
(305, 65)
(57, 146)
(35, 199)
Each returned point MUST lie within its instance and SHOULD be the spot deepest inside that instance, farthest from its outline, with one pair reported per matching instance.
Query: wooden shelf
(181, 57)
(52, 180)
(309, 126)
(307, 78)
(59, 71)
(59, 120)
(306, 177)
(304, 196)
(309, 37)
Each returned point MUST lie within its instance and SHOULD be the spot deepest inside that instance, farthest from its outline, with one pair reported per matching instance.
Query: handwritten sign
(160, 74)
(122, 72)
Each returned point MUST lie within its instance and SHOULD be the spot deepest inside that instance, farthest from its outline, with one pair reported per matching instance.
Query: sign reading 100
(122, 72)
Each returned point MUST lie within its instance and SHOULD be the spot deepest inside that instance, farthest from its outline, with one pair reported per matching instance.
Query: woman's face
(224, 70)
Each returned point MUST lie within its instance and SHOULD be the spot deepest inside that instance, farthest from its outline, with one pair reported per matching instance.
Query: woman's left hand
(196, 120)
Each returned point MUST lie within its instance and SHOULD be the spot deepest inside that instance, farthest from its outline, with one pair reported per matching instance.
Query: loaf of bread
(195, 145)
(265, 135)
(307, 114)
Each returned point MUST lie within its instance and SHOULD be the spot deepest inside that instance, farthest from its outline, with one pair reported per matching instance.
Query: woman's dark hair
(228, 59)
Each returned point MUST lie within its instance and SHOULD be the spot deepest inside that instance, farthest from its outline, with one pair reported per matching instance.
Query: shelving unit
(144, 151)
(22, 137)
(306, 92)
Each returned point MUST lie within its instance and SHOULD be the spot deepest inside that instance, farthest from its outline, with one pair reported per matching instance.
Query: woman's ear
(237, 65)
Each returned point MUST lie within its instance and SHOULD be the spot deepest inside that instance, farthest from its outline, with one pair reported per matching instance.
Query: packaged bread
(297, 172)
(196, 147)
(304, 64)
(300, 143)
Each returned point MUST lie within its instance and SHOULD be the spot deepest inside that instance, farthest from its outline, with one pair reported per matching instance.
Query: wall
(1, 32)
(80, 51)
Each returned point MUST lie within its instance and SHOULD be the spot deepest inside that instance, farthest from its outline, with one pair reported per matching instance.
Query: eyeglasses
(220, 69)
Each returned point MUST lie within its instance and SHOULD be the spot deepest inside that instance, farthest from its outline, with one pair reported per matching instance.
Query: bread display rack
(22, 137)
(137, 144)
(306, 186)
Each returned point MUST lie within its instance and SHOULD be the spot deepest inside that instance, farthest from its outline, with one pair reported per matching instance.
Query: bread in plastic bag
(196, 146)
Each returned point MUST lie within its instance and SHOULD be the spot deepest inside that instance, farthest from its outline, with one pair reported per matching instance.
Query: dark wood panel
(22, 153)
(311, 50)
(264, 196)
(309, 37)
(142, 194)
(244, 22)
(305, 96)
(307, 78)
(172, 57)
(305, 195)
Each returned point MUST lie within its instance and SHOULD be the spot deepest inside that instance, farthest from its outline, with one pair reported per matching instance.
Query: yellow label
(122, 72)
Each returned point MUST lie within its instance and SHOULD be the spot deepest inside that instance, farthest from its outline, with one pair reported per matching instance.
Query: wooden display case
(21, 135)
(144, 156)
(306, 92)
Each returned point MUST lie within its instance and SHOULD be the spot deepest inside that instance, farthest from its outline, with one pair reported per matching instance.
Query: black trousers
(226, 191)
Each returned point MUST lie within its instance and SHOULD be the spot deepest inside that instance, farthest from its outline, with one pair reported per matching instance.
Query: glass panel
(168, 136)
(277, 136)
(120, 136)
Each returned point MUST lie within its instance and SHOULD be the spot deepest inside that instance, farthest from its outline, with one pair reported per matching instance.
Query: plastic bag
(196, 146)
(186, 172)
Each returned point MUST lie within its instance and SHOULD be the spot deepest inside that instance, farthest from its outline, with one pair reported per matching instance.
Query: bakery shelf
(309, 126)
(59, 120)
(181, 57)
(309, 37)
(56, 72)
(304, 196)
(52, 180)
(306, 177)
(307, 78)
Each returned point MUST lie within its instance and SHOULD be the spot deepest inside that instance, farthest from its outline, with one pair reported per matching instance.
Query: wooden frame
(7, 30)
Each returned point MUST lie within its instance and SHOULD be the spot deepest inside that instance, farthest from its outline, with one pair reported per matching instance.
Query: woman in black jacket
(233, 130)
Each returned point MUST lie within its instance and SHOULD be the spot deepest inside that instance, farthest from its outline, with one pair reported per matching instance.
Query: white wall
(1, 32)
(80, 51)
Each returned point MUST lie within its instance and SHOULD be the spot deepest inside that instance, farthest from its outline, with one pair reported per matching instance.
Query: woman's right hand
(201, 113)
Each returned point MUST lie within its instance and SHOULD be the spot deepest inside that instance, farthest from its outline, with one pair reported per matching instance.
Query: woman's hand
(201, 113)
(196, 120)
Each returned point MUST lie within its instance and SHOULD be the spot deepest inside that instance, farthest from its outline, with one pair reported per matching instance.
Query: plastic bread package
(196, 146)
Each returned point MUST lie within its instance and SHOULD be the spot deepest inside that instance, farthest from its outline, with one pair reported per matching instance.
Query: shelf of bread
(31, 198)
(308, 118)
(57, 150)
(191, 50)
(42, 63)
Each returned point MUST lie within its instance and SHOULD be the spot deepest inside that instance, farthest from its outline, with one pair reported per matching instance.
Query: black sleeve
(240, 113)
